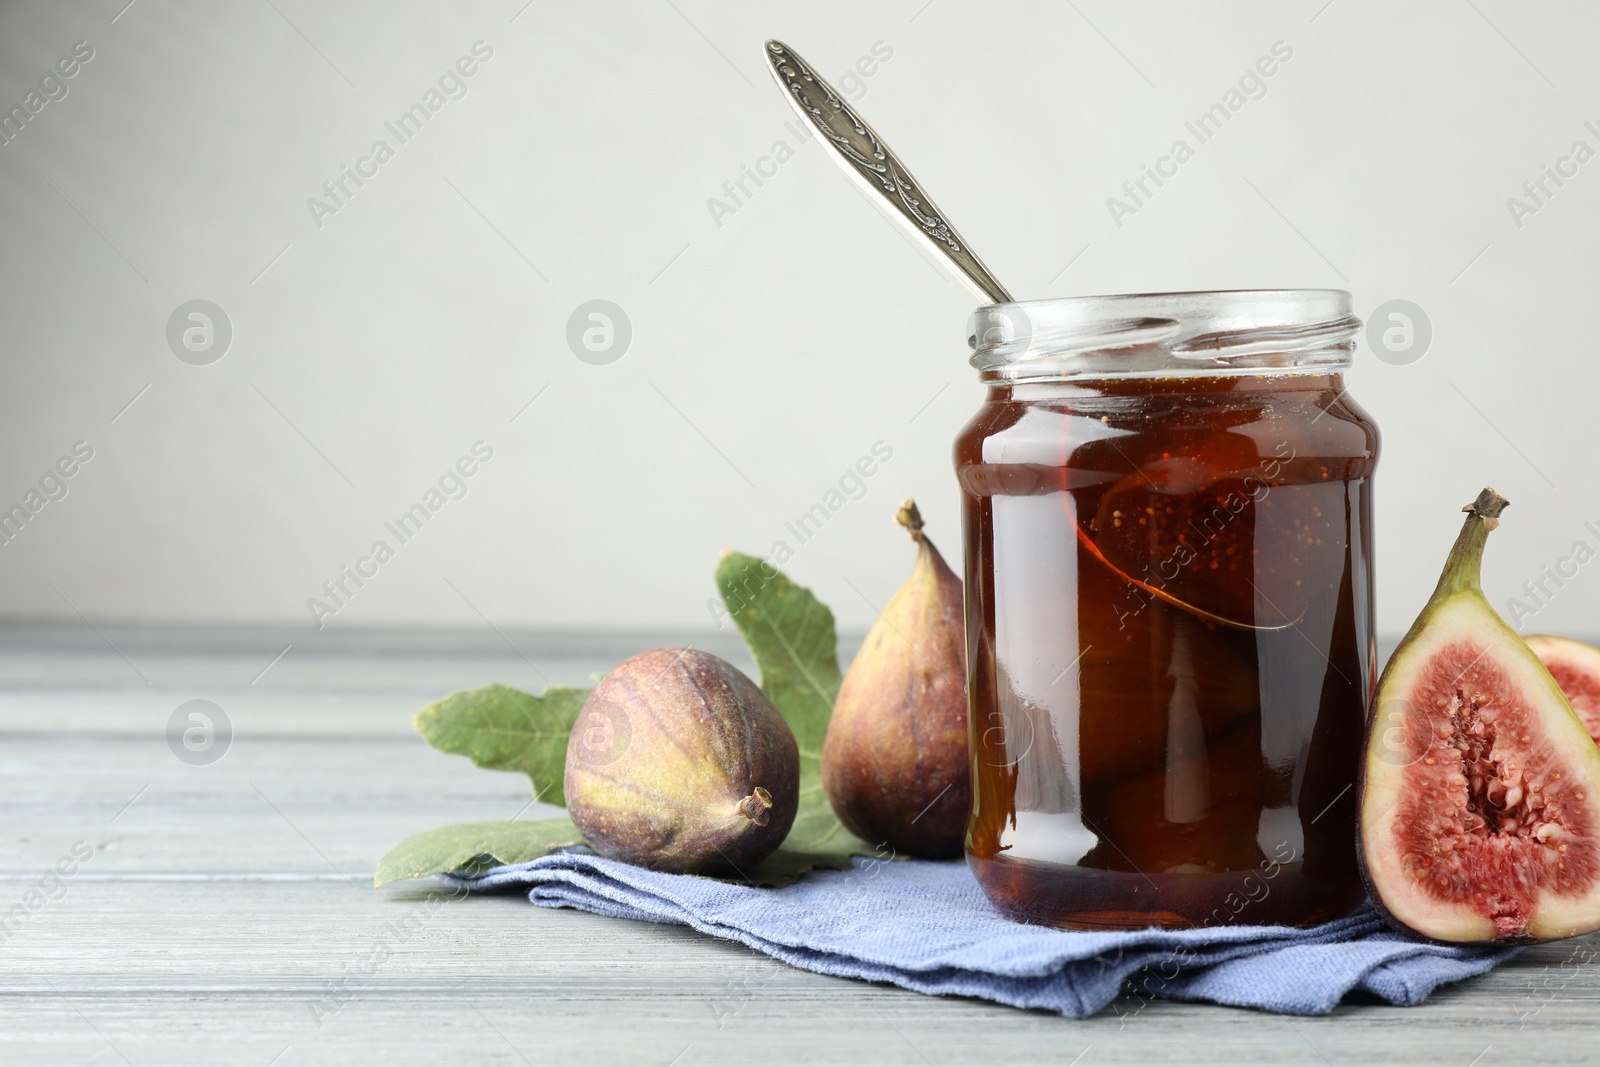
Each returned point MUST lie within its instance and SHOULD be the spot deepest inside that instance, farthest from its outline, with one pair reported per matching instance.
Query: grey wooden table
(225, 914)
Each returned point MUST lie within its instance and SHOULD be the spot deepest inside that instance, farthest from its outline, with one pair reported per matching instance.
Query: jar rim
(1148, 335)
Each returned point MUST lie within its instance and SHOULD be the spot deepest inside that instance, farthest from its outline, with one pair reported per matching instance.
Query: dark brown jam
(1169, 634)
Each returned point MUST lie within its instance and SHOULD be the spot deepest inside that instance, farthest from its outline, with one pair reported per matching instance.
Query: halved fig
(1480, 793)
(1576, 668)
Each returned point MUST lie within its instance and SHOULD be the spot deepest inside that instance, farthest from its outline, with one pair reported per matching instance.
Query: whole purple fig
(679, 763)
(894, 763)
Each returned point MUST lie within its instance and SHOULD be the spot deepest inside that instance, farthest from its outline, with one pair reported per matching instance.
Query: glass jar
(1168, 527)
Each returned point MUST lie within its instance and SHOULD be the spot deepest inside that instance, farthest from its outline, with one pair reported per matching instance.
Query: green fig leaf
(474, 846)
(505, 729)
(791, 635)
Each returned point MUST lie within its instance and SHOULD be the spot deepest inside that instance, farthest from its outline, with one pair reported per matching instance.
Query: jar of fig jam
(1168, 526)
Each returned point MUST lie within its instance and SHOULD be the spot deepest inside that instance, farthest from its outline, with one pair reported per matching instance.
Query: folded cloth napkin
(927, 926)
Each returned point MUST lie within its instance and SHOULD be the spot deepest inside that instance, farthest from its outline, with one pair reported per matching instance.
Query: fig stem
(1489, 505)
(909, 517)
(756, 806)
(1466, 555)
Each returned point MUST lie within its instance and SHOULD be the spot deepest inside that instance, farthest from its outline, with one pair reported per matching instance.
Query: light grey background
(768, 352)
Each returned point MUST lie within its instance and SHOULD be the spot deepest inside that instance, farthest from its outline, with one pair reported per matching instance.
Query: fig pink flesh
(1486, 816)
(1575, 667)
(1583, 690)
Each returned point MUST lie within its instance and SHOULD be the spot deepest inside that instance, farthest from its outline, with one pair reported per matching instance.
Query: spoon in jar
(869, 162)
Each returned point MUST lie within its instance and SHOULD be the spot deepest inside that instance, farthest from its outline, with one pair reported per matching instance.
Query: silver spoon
(864, 156)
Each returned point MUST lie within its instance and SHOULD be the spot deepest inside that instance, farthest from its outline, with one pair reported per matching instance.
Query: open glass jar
(1168, 527)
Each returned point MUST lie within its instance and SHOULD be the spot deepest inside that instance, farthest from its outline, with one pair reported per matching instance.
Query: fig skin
(679, 763)
(1576, 668)
(895, 762)
(1480, 790)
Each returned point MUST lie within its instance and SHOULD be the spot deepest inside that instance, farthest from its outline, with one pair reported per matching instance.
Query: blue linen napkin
(927, 926)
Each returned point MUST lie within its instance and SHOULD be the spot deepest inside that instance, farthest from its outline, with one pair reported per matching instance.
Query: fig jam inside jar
(1168, 534)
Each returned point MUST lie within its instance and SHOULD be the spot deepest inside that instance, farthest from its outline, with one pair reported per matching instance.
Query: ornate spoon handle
(866, 158)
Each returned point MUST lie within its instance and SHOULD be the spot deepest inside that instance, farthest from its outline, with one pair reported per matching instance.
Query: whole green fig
(679, 763)
(894, 763)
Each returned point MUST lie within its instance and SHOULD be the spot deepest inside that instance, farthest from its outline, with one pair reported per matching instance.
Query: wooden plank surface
(227, 916)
